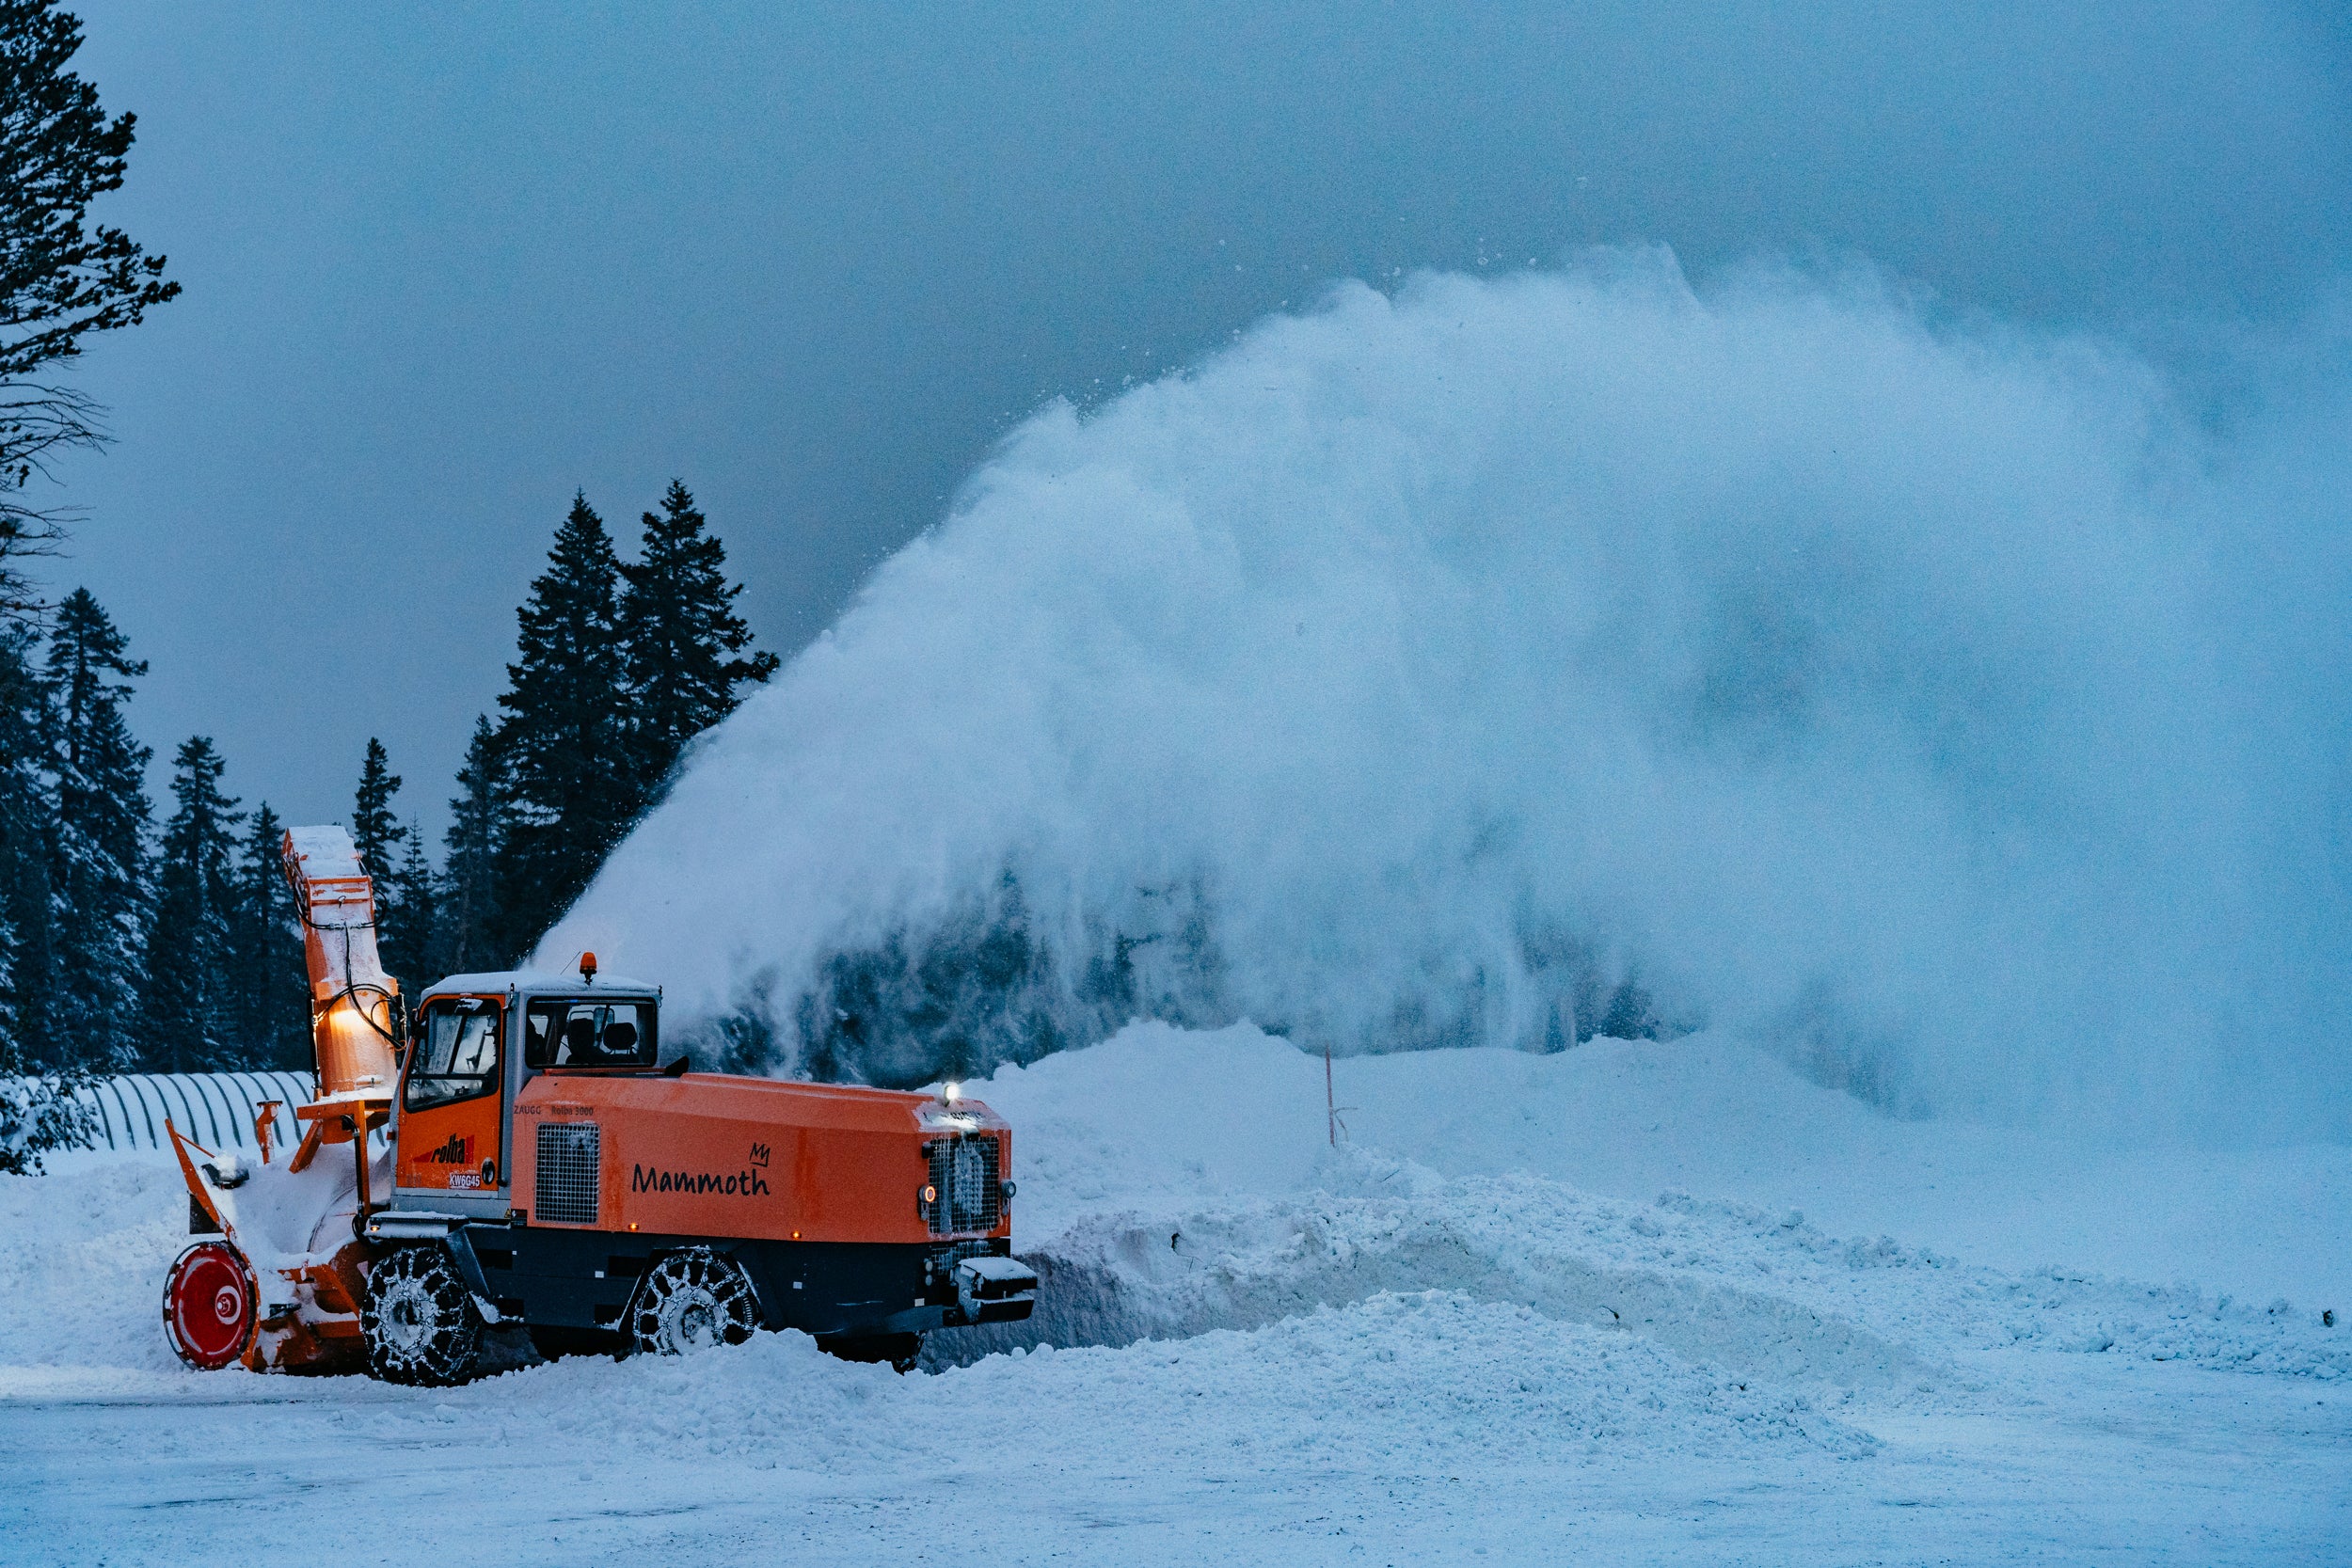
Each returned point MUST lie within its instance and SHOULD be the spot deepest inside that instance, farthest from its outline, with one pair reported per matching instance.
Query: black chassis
(545, 1277)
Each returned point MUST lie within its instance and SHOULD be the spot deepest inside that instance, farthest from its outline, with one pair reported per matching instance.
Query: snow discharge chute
(1504, 662)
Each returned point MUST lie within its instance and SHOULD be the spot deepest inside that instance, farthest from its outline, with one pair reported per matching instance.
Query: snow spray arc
(959, 997)
(1937, 705)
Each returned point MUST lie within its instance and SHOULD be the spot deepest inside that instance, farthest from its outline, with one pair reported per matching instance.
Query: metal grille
(963, 1172)
(570, 1153)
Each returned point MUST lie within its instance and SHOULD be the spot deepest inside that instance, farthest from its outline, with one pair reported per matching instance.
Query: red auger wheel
(208, 1306)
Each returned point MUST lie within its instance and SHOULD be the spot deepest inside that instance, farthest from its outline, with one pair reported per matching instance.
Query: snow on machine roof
(536, 982)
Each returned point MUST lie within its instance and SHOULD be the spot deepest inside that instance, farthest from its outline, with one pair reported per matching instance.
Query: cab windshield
(589, 1033)
(458, 1057)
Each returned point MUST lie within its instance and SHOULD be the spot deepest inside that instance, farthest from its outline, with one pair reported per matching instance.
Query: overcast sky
(443, 269)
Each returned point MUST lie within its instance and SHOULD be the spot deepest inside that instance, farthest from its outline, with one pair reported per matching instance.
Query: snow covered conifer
(270, 982)
(407, 920)
(103, 813)
(378, 836)
(190, 1013)
(375, 832)
(572, 778)
(27, 846)
(468, 930)
(683, 642)
(33, 1115)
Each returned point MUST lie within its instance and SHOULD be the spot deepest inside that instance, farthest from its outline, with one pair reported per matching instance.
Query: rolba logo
(458, 1152)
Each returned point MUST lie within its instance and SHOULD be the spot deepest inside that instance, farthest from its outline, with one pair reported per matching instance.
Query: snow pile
(1765, 1296)
(1396, 1379)
(284, 1218)
(81, 1267)
(88, 1248)
(1175, 1183)
(1511, 660)
(1158, 1121)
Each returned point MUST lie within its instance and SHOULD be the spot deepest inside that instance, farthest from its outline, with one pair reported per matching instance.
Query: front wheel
(419, 1319)
(692, 1300)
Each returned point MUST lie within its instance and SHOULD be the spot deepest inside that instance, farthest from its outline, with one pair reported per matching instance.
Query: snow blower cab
(548, 1170)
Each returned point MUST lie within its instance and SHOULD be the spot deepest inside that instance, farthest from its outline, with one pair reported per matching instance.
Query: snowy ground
(1634, 1303)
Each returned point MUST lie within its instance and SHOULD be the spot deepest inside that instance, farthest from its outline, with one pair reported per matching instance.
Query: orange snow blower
(518, 1159)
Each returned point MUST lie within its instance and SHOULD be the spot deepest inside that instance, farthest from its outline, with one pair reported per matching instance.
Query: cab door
(452, 1100)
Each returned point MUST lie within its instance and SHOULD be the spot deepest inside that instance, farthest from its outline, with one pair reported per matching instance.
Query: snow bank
(1172, 1183)
(1506, 660)
(1158, 1119)
(1396, 1380)
(82, 1254)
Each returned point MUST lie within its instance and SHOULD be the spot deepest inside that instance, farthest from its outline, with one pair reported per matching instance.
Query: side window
(458, 1057)
(589, 1033)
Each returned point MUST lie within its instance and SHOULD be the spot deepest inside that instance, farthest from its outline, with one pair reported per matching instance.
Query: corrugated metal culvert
(216, 1109)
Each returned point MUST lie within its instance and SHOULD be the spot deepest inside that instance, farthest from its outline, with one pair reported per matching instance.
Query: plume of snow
(1508, 659)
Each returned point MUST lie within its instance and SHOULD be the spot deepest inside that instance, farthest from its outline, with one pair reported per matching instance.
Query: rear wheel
(419, 1320)
(692, 1300)
(208, 1306)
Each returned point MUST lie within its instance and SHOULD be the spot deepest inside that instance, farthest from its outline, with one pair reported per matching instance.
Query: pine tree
(190, 1005)
(58, 153)
(27, 854)
(565, 736)
(375, 832)
(269, 981)
(409, 917)
(34, 1114)
(102, 813)
(469, 933)
(60, 279)
(683, 643)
